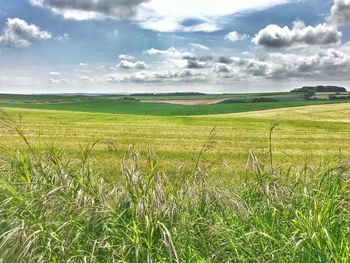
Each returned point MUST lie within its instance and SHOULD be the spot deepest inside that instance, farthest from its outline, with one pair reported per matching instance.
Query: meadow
(136, 105)
(311, 134)
(248, 186)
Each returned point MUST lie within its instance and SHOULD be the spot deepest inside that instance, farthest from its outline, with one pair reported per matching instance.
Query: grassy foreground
(53, 209)
(59, 207)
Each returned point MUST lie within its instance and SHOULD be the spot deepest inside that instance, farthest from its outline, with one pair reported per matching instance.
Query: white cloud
(173, 67)
(169, 16)
(251, 67)
(340, 12)
(203, 27)
(126, 57)
(36, 2)
(64, 37)
(171, 53)
(274, 36)
(125, 9)
(157, 15)
(161, 76)
(234, 36)
(58, 81)
(221, 69)
(162, 24)
(19, 33)
(172, 24)
(206, 8)
(177, 62)
(325, 65)
(88, 79)
(91, 9)
(199, 46)
(55, 73)
(125, 64)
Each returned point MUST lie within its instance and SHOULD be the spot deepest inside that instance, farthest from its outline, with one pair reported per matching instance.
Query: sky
(128, 46)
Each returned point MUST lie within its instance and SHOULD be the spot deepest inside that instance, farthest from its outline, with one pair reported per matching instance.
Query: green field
(310, 133)
(133, 105)
(184, 193)
(305, 134)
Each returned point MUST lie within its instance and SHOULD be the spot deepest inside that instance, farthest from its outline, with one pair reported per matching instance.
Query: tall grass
(55, 209)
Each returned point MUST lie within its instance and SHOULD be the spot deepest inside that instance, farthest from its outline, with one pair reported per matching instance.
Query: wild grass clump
(55, 209)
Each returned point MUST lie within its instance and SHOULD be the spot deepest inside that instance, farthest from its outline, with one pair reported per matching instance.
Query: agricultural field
(152, 131)
(159, 104)
(81, 182)
(304, 134)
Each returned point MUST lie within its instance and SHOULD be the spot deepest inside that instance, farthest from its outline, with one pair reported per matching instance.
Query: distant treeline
(334, 97)
(308, 89)
(169, 94)
(256, 100)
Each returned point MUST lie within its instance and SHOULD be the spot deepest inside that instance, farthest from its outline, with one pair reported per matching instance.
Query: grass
(116, 104)
(306, 134)
(57, 209)
(72, 189)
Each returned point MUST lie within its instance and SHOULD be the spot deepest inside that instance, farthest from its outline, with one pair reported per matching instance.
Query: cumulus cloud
(19, 33)
(274, 36)
(198, 58)
(91, 9)
(234, 36)
(252, 67)
(58, 81)
(197, 62)
(222, 69)
(225, 60)
(326, 64)
(163, 76)
(171, 52)
(180, 59)
(177, 75)
(329, 64)
(340, 12)
(126, 64)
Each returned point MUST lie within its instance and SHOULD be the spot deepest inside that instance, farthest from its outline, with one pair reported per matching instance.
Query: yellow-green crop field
(72, 189)
(309, 134)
